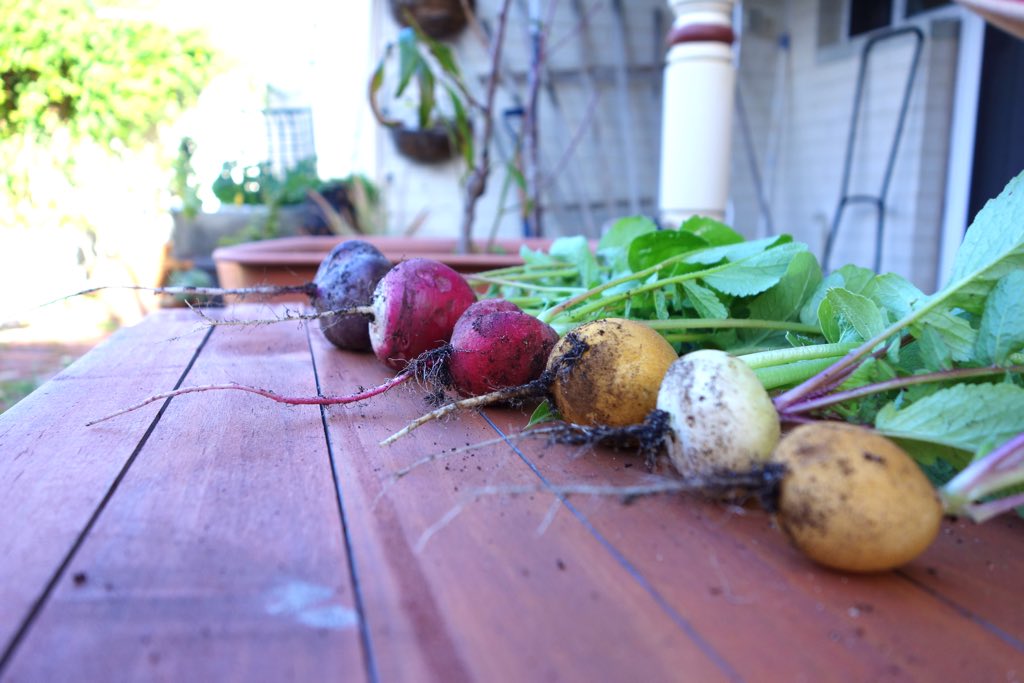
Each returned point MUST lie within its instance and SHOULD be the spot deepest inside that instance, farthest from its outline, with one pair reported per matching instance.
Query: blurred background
(138, 135)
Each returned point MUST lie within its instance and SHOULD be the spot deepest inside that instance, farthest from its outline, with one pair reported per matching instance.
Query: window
(839, 22)
(868, 15)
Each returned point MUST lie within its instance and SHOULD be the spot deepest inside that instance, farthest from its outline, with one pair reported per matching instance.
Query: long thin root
(529, 390)
(266, 393)
(267, 290)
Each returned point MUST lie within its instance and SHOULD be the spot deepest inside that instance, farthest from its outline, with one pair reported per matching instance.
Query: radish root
(535, 389)
(428, 369)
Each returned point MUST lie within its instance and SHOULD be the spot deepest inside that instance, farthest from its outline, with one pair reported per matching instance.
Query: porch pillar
(697, 111)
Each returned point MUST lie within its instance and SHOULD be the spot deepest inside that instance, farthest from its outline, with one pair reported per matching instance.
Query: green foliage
(191, 278)
(12, 391)
(184, 183)
(258, 184)
(79, 84)
(106, 80)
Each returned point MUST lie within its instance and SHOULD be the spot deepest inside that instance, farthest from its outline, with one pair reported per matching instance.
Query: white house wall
(798, 107)
(596, 169)
(818, 105)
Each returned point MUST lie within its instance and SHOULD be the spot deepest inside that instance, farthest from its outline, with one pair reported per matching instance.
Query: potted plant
(425, 68)
(257, 204)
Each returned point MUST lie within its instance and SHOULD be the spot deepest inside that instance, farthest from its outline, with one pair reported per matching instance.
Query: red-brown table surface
(219, 536)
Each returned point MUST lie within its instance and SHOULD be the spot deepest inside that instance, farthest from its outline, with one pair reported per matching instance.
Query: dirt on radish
(346, 279)
(615, 381)
(852, 499)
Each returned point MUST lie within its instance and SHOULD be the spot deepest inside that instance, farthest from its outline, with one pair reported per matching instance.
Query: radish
(720, 416)
(852, 499)
(846, 496)
(362, 302)
(495, 344)
(615, 380)
(344, 280)
(603, 373)
(414, 309)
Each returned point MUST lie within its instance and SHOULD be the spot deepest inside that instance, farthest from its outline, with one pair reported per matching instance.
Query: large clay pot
(294, 260)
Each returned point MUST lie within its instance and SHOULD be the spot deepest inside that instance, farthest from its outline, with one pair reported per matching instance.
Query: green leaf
(614, 244)
(377, 79)
(428, 102)
(463, 130)
(535, 258)
(897, 295)
(835, 329)
(755, 273)
(964, 416)
(542, 413)
(935, 353)
(900, 297)
(994, 243)
(444, 56)
(660, 305)
(705, 301)
(409, 59)
(576, 250)
(1002, 324)
(651, 248)
(711, 231)
(738, 251)
(852, 278)
(858, 311)
(785, 300)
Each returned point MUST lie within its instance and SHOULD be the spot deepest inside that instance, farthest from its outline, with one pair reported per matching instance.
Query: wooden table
(222, 537)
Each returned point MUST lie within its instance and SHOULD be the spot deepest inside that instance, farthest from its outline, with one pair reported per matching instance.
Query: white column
(697, 111)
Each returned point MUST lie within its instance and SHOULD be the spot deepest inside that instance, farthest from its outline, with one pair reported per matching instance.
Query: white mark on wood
(309, 604)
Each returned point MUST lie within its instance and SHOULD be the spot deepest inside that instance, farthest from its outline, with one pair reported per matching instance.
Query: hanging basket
(423, 145)
(437, 18)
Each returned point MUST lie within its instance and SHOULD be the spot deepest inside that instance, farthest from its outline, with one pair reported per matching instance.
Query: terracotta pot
(437, 18)
(294, 260)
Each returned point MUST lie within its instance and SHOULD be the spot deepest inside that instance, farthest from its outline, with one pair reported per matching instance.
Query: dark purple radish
(347, 279)
(496, 345)
(415, 307)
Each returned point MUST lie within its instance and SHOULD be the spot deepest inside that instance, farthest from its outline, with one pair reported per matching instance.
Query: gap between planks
(933, 592)
(632, 570)
(365, 641)
(26, 624)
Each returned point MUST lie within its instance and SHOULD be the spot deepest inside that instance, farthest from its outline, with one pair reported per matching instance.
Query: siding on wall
(798, 105)
(812, 147)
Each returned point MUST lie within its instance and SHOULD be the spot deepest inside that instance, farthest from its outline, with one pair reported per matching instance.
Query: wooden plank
(220, 557)
(738, 581)
(977, 569)
(487, 597)
(54, 472)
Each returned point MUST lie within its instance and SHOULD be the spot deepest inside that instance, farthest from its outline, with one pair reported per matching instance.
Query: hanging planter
(436, 18)
(437, 134)
(423, 145)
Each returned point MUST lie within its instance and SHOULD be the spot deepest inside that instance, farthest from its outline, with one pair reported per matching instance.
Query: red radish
(414, 309)
(496, 345)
